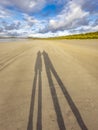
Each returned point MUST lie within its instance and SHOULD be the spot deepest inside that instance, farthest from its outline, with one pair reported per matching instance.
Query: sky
(47, 18)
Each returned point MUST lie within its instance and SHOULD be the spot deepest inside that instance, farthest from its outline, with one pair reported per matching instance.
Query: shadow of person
(38, 64)
(38, 70)
(50, 68)
(56, 104)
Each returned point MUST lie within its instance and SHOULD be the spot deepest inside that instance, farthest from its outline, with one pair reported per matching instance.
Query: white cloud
(4, 12)
(25, 5)
(30, 19)
(68, 16)
(72, 18)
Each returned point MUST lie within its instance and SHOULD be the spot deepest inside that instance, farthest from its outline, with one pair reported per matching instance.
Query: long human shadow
(38, 70)
(54, 95)
(50, 68)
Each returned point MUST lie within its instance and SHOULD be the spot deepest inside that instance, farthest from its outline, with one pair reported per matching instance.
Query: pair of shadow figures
(50, 69)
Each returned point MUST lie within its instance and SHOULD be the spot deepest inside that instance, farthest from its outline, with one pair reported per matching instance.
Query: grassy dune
(92, 35)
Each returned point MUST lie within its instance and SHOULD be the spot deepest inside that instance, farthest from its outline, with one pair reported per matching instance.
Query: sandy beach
(49, 85)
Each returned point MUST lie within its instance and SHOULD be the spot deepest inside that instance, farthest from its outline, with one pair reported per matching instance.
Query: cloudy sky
(46, 18)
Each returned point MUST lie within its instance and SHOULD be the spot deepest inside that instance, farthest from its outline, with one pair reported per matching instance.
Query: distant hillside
(92, 35)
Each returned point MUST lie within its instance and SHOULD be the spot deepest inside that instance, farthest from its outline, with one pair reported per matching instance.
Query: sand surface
(49, 85)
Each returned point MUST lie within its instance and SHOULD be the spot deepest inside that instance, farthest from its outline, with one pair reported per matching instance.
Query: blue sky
(46, 18)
